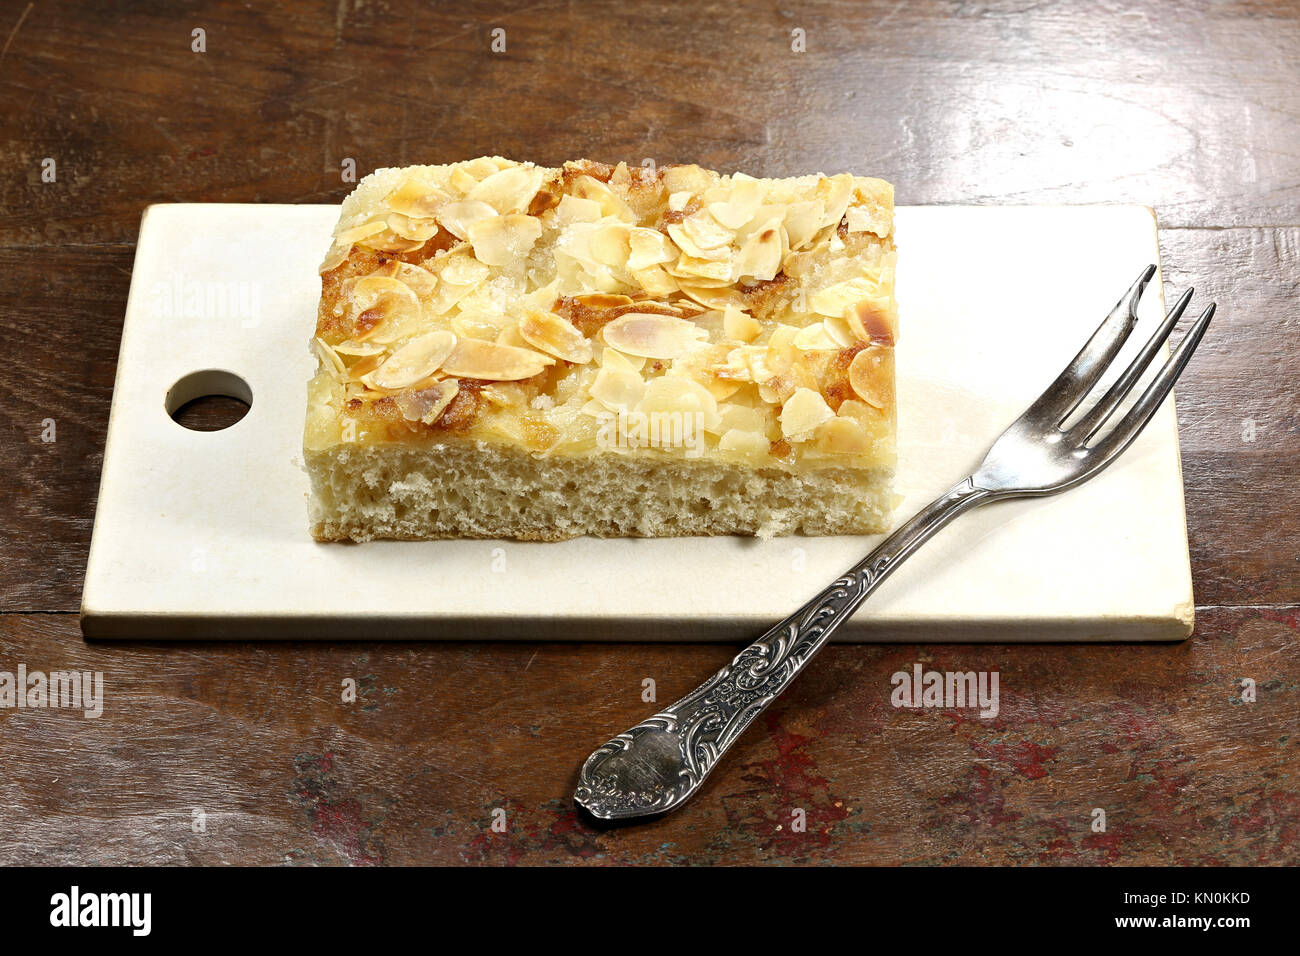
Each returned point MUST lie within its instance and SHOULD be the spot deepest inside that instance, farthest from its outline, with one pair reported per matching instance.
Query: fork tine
(1073, 384)
(1089, 424)
(1131, 425)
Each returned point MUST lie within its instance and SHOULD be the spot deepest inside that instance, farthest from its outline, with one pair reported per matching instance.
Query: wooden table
(224, 753)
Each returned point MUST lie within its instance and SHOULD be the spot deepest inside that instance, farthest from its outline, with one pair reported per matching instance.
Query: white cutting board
(204, 534)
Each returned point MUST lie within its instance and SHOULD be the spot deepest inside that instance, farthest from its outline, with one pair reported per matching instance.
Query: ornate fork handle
(660, 762)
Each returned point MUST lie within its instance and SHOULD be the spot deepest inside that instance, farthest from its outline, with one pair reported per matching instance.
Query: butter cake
(509, 350)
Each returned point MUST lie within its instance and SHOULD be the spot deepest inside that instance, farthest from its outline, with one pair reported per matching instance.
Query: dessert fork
(658, 764)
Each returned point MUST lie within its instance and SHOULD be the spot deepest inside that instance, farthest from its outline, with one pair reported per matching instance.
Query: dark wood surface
(1194, 111)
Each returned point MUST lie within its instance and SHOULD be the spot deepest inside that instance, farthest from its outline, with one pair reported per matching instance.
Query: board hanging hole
(209, 400)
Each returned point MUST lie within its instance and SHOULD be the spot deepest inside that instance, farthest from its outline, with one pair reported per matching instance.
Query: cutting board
(204, 534)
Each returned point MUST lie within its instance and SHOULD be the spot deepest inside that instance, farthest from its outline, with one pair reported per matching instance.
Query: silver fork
(658, 764)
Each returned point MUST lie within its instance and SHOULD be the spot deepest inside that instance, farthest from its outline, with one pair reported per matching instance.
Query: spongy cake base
(480, 490)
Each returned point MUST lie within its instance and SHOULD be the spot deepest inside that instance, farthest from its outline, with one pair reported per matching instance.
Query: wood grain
(1005, 101)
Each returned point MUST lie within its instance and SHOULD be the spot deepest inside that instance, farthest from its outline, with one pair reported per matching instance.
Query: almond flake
(617, 389)
(509, 190)
(802, 220)
(867, 378)
(740, 206)
(474, 358)
(843, 436)
(655, 281)
(648, 247)
(718, 252)
(383, 309)
(335, 257)
(652, 336)
(746, 444)
(834, 299)
(417, 197)
(761, 253)
(457, 216)
(803, 412)
(738, 325)
(427, 404)
(328, 356)
(556, 336)
(502, 240)
(815, 337)
(418, 230)
(414, 361)
(357, 233)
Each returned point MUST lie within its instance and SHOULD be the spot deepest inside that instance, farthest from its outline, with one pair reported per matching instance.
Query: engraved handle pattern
(660, 762)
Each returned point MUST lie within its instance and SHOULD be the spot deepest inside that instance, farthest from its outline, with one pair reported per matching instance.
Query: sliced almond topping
(687, 178)
(510, 336)
(358, 349)
(327, 355)
(335, 257)
(738, 325)
(617, 389)
(556, 336)
(417, 230)
(677, 393)
(843, 436)
(588, 187)
(834, 299)
(869, 321)
(655, 281)
(652, 336)
(860, 219)
(802, 220)
(420, 279)
(814, 337)
(414, 361)
(835, 192)
(609, 244)
(686, 241)
(740, 206)
(713, 298)
(461, 180)
(457, 216)
(509, 190)
(867, 378)
(471, 324)
(706, 232)
(837, 327)
(648, 247)
(572, 209)
(389, 241)
(803, 412)
(692, 270)
(427, 404)
(502, 240)
(463, 270)
(746, 444)
(760, 254)
(612, 358)
(473, 358)
(602, 300)
(364, 366)
(357, 233)
(383, 309)
(417, 197)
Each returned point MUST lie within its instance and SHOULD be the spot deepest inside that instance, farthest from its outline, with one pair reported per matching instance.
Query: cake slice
(508, 350)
